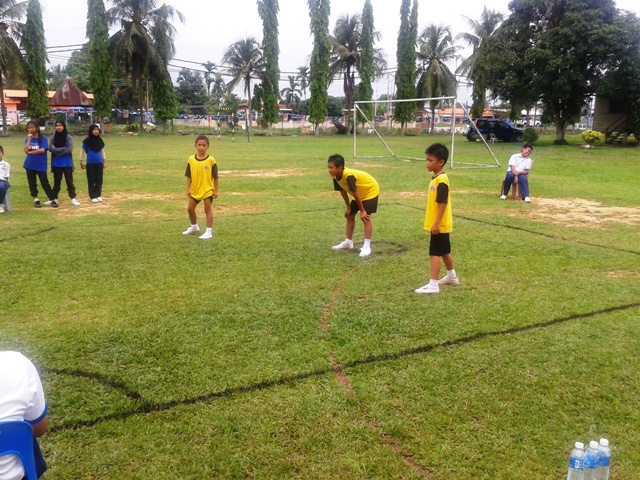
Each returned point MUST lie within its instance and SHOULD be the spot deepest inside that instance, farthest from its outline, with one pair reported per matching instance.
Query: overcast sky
(212, 25)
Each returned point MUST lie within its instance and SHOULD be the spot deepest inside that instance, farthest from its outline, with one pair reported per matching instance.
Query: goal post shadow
(452, 163)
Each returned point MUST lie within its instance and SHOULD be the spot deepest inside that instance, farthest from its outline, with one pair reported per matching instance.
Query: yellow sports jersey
(437, 188)
(201, 174)
(366, 185)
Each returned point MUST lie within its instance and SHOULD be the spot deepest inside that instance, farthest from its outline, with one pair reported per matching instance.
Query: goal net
(372, 128)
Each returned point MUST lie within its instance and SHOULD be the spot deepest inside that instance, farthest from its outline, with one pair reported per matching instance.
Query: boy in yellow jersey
(202, 186)
(439, 220)
(363, 190)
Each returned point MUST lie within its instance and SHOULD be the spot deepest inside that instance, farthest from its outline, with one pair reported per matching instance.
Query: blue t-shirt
(92, 157)
(36, 162)
(66, 159)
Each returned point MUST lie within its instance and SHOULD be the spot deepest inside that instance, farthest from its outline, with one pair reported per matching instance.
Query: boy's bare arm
(189, 187)
(215, 187)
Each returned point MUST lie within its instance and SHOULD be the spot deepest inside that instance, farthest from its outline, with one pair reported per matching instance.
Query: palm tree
(243, 60)
(144, 43)
(346, 55)
(291, 94)
(12, 64)
(303, 80)
(210, 69)
(475, 38)
(435, 48)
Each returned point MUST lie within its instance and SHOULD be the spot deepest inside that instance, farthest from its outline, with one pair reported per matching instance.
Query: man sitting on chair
(517, 172)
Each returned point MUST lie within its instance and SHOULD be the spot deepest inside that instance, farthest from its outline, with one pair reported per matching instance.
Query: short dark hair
(202, 137)
(527, 145)
(439, 151)
(1, 150)
(337, 160)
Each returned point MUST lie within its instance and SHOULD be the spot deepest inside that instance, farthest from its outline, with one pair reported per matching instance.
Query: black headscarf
(93, 142)
(60, 138)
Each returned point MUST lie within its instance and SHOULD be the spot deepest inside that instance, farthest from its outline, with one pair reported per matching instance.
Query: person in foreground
(202, 186)
(364, 190)
(93, 149)
(439, 220)
(517, 173)
(61, 148)
(35, 164)
(5, 171)
(21, 398)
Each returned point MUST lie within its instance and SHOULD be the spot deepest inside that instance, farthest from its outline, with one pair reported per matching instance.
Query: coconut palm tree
(291, 94)
(210, 69)
(478, 32)
(346, 55)
(435, 79)
(303, 80)
(244, 63)
(12, 64)
(144, 44)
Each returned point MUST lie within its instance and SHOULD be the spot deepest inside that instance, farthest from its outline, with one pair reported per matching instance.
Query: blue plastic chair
(16, 438)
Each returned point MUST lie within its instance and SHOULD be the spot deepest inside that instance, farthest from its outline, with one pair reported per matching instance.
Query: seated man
(21, 398)
(517, 171)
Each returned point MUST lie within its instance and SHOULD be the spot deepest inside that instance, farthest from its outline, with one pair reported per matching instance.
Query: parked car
(500, 129)
(9, 122)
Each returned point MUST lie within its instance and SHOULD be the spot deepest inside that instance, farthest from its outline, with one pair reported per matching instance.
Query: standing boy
(5, 171)
(364, 190)
(439, 220)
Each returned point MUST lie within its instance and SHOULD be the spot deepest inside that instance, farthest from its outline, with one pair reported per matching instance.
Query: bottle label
(604, 461)
(576, 463)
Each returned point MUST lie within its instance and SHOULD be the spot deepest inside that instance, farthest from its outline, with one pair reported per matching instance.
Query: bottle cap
(593, 444)
(579, 445)
(604, 442)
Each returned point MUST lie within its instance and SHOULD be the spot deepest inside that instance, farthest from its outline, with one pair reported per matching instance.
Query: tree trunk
(141, 93)
(561, 127)
(3, 112)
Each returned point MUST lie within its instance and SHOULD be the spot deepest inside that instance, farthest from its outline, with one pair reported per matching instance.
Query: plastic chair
(7, 203)
(16, 438)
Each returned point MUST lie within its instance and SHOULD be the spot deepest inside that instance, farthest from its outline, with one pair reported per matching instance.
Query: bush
(591, 137)
(530, 135)
(131, 127)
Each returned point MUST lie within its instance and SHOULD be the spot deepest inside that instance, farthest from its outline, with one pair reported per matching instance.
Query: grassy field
(264, 354)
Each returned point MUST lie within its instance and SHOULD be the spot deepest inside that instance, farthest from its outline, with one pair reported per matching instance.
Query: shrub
(530, 135)
(131, 127)
(591, 137)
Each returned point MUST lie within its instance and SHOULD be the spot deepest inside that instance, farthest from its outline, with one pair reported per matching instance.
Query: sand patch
(274, 173)
(623, 274)
(372, 165)
(577, 212)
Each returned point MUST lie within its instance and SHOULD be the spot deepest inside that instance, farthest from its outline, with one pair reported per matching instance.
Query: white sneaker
(75, 202)
(94, 200)
(503, 197)
(365, 252)
(428, 288)
(51, 202)
(191, 230)
(99, 199)
(206, 236)
(1, 208)
(449, 281)
(344, 245)
(527, 200)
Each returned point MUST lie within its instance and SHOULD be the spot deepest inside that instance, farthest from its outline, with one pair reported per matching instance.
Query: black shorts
(439, 245)
(206, 198)
(370, 206)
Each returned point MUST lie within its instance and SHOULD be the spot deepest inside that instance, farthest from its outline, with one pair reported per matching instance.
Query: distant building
(610, 117)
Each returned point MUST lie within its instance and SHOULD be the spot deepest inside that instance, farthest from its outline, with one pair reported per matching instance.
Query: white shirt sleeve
(37, 408)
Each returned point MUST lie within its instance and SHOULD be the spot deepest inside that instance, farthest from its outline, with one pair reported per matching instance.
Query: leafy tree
(471, 67)
(144, 42)
(12, 64)
(210, 69)
(190, 89)
(303, 79)
(243, 60)
(56, 75)
(165, 105)
(77, 67)
(100, 58)
(567, 48)
(366, 66)
(319, 11)
(291, 94)
(406, 58)
(33, 42)
(335, 106)
(436, 80)
(268, 11)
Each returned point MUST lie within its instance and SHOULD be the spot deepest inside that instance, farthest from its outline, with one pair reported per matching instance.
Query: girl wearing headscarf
(61, 148)
(93, 149)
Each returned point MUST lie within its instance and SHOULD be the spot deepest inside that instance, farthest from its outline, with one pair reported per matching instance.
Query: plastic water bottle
(591, 460)
(604, 460)
(576, 462)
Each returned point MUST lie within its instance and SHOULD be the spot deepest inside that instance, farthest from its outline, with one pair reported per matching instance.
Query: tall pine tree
(406, 57)
(268, 10)
(33, 43)
(100, 60)
(319, 11)
(366, 66)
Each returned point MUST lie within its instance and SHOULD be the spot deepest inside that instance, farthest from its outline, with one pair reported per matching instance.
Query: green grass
(164, 356)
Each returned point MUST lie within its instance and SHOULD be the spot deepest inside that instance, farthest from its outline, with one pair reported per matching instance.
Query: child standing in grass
(202, 186)
(5, 171)
(35, 164)
(93, 148)
(439, 220)
(364, 190)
